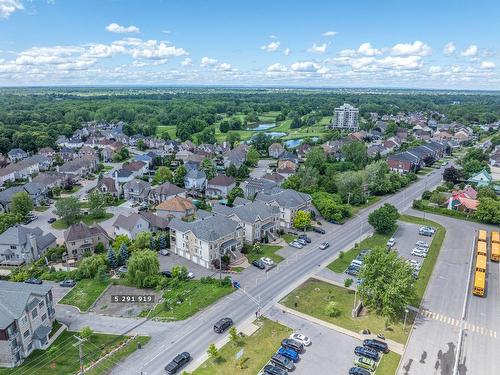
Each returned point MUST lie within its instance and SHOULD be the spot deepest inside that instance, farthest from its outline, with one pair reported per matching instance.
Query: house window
(26, 333)
(44, 316)
(30, 346)
(40, 305)
(24, 319)
(34, 313)
(13, 247)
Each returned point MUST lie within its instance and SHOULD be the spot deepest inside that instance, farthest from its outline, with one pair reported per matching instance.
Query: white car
(190, 276)
(164, 252)
(324, 245)
(267, 261)
(296, 245)
(391, 242)
(421, 244)
(304, 340)
(418, 253)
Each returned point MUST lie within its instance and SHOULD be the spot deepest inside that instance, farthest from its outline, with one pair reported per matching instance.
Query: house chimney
(33, 244)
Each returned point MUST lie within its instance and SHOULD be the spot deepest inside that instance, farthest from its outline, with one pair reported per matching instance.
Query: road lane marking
(456, 322)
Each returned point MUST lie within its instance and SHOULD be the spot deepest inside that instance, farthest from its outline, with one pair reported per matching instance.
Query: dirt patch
(106, 306)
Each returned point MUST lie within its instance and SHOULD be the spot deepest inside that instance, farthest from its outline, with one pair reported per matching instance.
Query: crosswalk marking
(456, 322)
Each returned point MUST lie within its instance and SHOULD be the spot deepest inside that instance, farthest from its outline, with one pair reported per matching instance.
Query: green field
(312, 297)
(60, 224)
(268, 251)
(388, 365)
(257, 349)
(84, 294)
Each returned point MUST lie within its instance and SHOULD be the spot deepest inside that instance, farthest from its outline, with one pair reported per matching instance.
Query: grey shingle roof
(196, 174)
(18, 235)
(127, 222)
(81, 231)
(285, 198)
(248, 212)
(208, 229)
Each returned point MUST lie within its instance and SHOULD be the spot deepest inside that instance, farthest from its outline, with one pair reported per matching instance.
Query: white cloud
(207, 61)
(399, 62)
(470, 51)
(330, 33)
(7, 7)
(225, 67)
(187, 62)
(287, 51)
(321, 48)
(435, 69)
(487, 65)
(271, 47)
(277, 68)
(368, 50)
(305, 66)
(449, 48)
(418, 48)
(154, 49)
(347, 53)
(118, 29)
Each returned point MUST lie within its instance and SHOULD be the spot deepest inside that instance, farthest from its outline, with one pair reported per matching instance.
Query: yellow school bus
(481, 263)
(482, 236)
(481, 248)
(495, 252)
(479, 283)
(495, 237)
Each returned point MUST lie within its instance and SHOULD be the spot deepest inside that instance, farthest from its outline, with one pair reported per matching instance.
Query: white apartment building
(345, 117)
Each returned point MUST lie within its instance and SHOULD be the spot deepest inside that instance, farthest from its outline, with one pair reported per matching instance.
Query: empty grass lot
(84, 294)
(268, 251)
(287, 237)
(388, 364)
(257, 349)
(312, 297)
(60, 224)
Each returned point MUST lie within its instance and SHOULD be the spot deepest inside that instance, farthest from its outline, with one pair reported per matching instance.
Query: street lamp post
(406, 315)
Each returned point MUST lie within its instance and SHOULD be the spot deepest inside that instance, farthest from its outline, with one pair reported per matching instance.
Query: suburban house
(87, 152)
(138, 168)
(274, 177)
(50, 179)
(220, 186)
(237, 156)
(36, 191)
(7, 174)
(165, 191)
(404, 162)
(258, 220)
(156, 223)
(177, 206)
(80, 238)
(124, 175)
(47, 152)
(26, 316)
(480, 179)
(130, 225)
(183, 155)
(303, 150)
(275, 150)
(79, 167)
(17, 154)
(136, 190)
(195, 180)
(252, 186)
(20, 245)
(109, 185)
(460, 201)
(203, 241)
(289, 203)
(145, 158)
(107, 154)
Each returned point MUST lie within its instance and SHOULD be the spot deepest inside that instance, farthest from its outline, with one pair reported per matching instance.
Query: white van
(357, 262)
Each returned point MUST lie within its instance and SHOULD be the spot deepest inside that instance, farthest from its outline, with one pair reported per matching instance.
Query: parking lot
(167, 262)
(330, 352)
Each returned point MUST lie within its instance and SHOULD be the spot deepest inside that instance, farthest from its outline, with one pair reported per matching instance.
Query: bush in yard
(88, 267)
(86, 332)
(233, 334)
(112, 260)
(348, 282)
(302, 220)
(332, 309)
(383, 220)
(213, 352)
(426, 195)
(141, 265)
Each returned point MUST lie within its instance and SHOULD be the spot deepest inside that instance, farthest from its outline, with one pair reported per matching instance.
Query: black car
(292, 344)
(177, 363)
(51, 220)
(352, 271)
(304, 237)
(67, 283)
(318, 230)
(33, 280)
(283, 362)
(274, 370)
(166, 273)
(358, 371)
(378, 345)
(222, 325)
(366, 352)
(259, 264)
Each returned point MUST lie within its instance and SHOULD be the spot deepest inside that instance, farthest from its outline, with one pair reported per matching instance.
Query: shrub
(348, 282)
(332, 309)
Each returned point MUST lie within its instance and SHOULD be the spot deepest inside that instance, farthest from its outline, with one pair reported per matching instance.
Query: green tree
(350, 187)
(123, 254)
(119, 240)
(207, 135)
(208, 167)
(233, 138)
(112, 260)
(141, 265)
(213, 352)
(356, 153)
(180, 272)
(87, 268)
(69, 210)
(471, 167)
(97, 204)
(316, 158)
(162, 175)
(233, 194)
(451, 174)
(224, 126)
(233, 334)
(21, 204)
(332, 309)
(383, 219)
(7, 220)
(488, 211)
(252, 157)
(387, 286)
(86, 332)
(302, 220)
(141, 145)
(179, 175)
(142, 241)
(378, 177)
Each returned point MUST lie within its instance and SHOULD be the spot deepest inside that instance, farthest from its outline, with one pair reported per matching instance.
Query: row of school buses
(483, 243)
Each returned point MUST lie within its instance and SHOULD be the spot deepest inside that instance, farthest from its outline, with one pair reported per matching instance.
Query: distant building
(345, 117)
(20, 245)
(176, 206)
(81, 238)
(130, 225)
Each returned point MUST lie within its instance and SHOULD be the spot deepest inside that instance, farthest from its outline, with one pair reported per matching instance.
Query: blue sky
(425, 44)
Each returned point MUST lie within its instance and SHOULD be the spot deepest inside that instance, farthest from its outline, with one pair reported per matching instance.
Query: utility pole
(220, 265)
(80, 350)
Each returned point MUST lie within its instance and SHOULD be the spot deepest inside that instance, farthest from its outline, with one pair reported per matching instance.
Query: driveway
(262, 168)
(167, 262)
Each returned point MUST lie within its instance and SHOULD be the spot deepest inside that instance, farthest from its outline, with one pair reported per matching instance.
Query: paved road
(433, 343)
(196, 333)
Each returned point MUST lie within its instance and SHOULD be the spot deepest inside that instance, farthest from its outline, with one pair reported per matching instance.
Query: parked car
(324, 245)
(366, 363)
(51, 220)
(366, 352)
(425, 232)
(377, 345)
(391, 242)
(364, 252)
(259, 264)
(166, 273)
(318, 230)
(283, 362)
(222, 325)
(190, 275)
(425, 249)
(34, 280)
(358, 371)
(274, 370)
(296, 244)
(422, 243)
(289, 353)
(304, 237)
(418, 253)
(67, 283)
(304, 340)
(301, 241)
(164, 252)
(177, 363)
(292, 344)
(123, 269)
(352, 271)
(430, 229)
(267, 261)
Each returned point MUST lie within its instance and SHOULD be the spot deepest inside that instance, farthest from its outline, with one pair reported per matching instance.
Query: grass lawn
(340, 264)
(194, 295)
(257, 349)
(424, 171)
(429, 261)
(84, 294)
(55, 327)
(371, 200)
(388, 364)
(60, 224)
(108, 168)
(41, 208)
(63, 359)
(74, 189)
(169, 128)
(312, 297)
(287, 237)
(268, 251)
